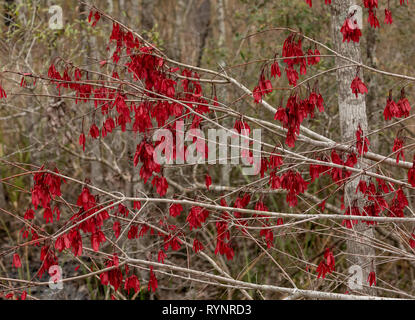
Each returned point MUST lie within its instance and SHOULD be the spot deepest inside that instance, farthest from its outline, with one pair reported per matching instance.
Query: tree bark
(372, 101)
(222, 92)
(202, 25)
(178, 28)
(147, 14)
(352, 113)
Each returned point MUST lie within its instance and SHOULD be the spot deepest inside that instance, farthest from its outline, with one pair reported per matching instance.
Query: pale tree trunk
(223, 93)
(147, 14)
(372, 101)
(110, 6)
(122, 12)
(221, 22)
(178, 28)
(202, 25)
(352, 113)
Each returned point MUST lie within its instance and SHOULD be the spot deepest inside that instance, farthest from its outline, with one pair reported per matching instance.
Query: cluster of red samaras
(118, 112)
(397, 110)
(358, 86)
(328, 265)
(89, 219)
(362, 142)
(293, 55)
(115, 277)
(295, 111)
(376, 203)
(392, 109)
(350, 28)
(46, 188)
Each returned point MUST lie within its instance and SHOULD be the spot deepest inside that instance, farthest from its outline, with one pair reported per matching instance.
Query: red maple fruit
(327, 265)
(161, 256)
(398, 203)
(196, 217)
(82, 140)
(9, 296)
(350, 31)
(264, 166)
(197, 246)
(62, 243)
(372, 278)
(29, 214)
(321, 270)
(132, 232)
(16, 261)
(362, 187)
(373, 19)
(137, 205)
(328, 255)
(269, 236)
(412, 241)
(371, 210)
(388, 17)
(351, 211)
(208, 181)
(391, 109)
(294, 183)
(275, 70)
(264, 87)
(97, 238)
(313, 56)
(46, 187)
(132, 283)
(275, 161)
(292, 75)
(411, 174)
(358, 86)
(75, 239)
(172, 241)
(175, 209)
(114, 276)
(3, 94)
(403, 105)
(242, 127)
(152, 283)
(94, 131)
(370, 3)
(161, 185)
(361, 143)
(48, 258)
(398, 148)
